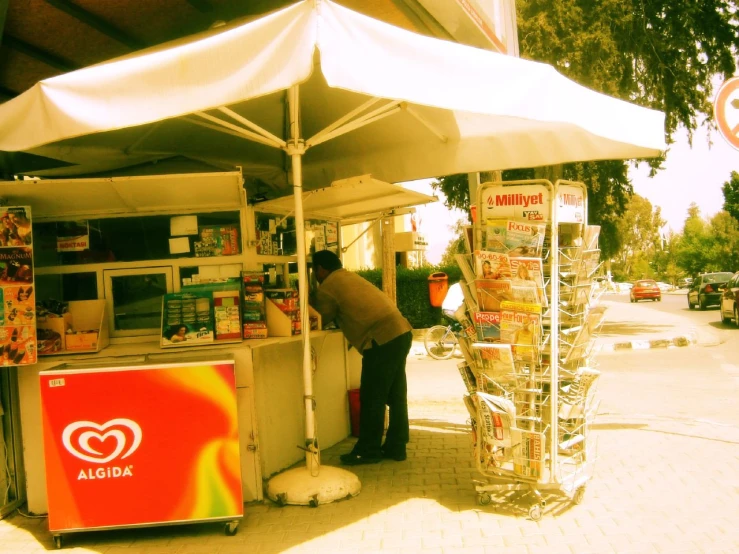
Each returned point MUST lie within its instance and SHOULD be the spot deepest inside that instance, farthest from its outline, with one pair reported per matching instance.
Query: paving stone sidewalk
(660, 485)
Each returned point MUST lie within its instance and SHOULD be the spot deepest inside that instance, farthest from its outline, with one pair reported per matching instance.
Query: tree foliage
(660, 54)
(731, 195)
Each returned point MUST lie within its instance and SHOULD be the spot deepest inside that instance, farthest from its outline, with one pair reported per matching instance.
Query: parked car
(704, 291)
(645, 289)
(730, 301)
(684, 283)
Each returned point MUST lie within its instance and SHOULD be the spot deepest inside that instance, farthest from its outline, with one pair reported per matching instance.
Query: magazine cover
(187, 319)
(524, 239)
(520, 326)
(487, 325)
(493, 359)
(492, 265)
(528, 272)
(528, 453)
(490, 294)
(494, 235)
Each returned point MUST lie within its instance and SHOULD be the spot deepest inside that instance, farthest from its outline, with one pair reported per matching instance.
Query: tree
(693, 248)
(660, 54)
(639, 230)
(731, 195)
(457, 245)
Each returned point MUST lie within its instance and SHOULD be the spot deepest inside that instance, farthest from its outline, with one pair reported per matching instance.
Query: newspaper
(520, 326)
(492, 265)
(468, 376)
(528, 452)
(574, 397)
(497, 417)
(529, 272)
(487, 325)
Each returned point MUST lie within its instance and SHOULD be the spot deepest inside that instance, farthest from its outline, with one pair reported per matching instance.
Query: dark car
(704, 291)
(645, 289)
(730, 301)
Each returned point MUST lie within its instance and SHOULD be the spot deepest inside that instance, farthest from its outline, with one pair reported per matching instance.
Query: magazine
(520, 326)
(493, 359)
(524, 239)
(515, 238)
(487, 325)
(494, 235)
(490, 294)
(529, 272)
(580, 344)
(528, 452)
(492, 265)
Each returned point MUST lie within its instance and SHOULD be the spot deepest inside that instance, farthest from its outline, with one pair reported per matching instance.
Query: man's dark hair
(327, 260)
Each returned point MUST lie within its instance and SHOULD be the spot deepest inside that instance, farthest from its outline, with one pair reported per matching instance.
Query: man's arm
(325, 305)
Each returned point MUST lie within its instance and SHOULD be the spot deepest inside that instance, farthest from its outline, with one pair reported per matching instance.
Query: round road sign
(726, 111)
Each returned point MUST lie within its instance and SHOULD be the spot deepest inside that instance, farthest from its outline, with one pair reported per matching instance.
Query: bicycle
(441, 341)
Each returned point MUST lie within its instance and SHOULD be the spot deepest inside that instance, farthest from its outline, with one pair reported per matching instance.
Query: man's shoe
(397, 455)
(352, 459)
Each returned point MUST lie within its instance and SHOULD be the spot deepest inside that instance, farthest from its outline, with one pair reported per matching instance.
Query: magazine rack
(528, 372)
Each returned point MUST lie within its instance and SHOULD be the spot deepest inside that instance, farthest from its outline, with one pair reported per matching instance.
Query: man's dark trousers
(384, 383)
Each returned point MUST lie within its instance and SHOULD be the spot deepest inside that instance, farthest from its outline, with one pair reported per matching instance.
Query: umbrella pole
(309, 485)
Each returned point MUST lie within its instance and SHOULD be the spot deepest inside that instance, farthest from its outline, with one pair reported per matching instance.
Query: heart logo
(78, 443)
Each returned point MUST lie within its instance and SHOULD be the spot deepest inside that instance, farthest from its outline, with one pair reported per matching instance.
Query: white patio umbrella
(315, 93)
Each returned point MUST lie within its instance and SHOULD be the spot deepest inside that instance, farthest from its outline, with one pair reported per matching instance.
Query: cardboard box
(282, 324)
(84, 340)
(57, 324)
(86, 319)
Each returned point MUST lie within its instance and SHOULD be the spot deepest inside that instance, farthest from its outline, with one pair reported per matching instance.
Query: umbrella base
(299, 488)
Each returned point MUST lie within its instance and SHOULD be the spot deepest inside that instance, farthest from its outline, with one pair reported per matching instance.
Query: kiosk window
(134, 299)
(134, 239)
(66, 286)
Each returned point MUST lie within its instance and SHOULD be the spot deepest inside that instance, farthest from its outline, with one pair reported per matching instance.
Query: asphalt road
(677, 303)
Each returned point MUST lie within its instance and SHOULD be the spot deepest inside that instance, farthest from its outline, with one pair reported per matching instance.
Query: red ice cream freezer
(141, 445)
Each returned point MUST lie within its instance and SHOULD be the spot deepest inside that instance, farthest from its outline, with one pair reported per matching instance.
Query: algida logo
(77, 436)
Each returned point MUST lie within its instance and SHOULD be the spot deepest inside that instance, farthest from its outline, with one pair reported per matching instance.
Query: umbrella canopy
(374, 99)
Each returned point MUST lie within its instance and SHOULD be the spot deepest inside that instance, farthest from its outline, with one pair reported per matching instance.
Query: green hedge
(413, 292)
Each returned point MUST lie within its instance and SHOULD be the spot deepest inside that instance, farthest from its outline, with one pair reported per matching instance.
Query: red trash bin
(438, 287)
(354, 411)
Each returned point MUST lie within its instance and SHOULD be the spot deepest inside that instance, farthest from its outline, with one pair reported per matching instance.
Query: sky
(694, 174)
(690, 175)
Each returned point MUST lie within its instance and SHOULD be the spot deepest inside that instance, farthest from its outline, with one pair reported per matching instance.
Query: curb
(646, 344)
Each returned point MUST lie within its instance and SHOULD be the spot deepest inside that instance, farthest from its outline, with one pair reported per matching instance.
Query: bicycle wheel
(439, 342)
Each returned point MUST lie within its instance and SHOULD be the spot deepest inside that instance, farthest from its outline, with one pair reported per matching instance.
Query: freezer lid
(349, 198)
(64, 198)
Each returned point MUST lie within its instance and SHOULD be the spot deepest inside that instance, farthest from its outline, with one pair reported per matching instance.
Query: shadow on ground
(439, 473)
